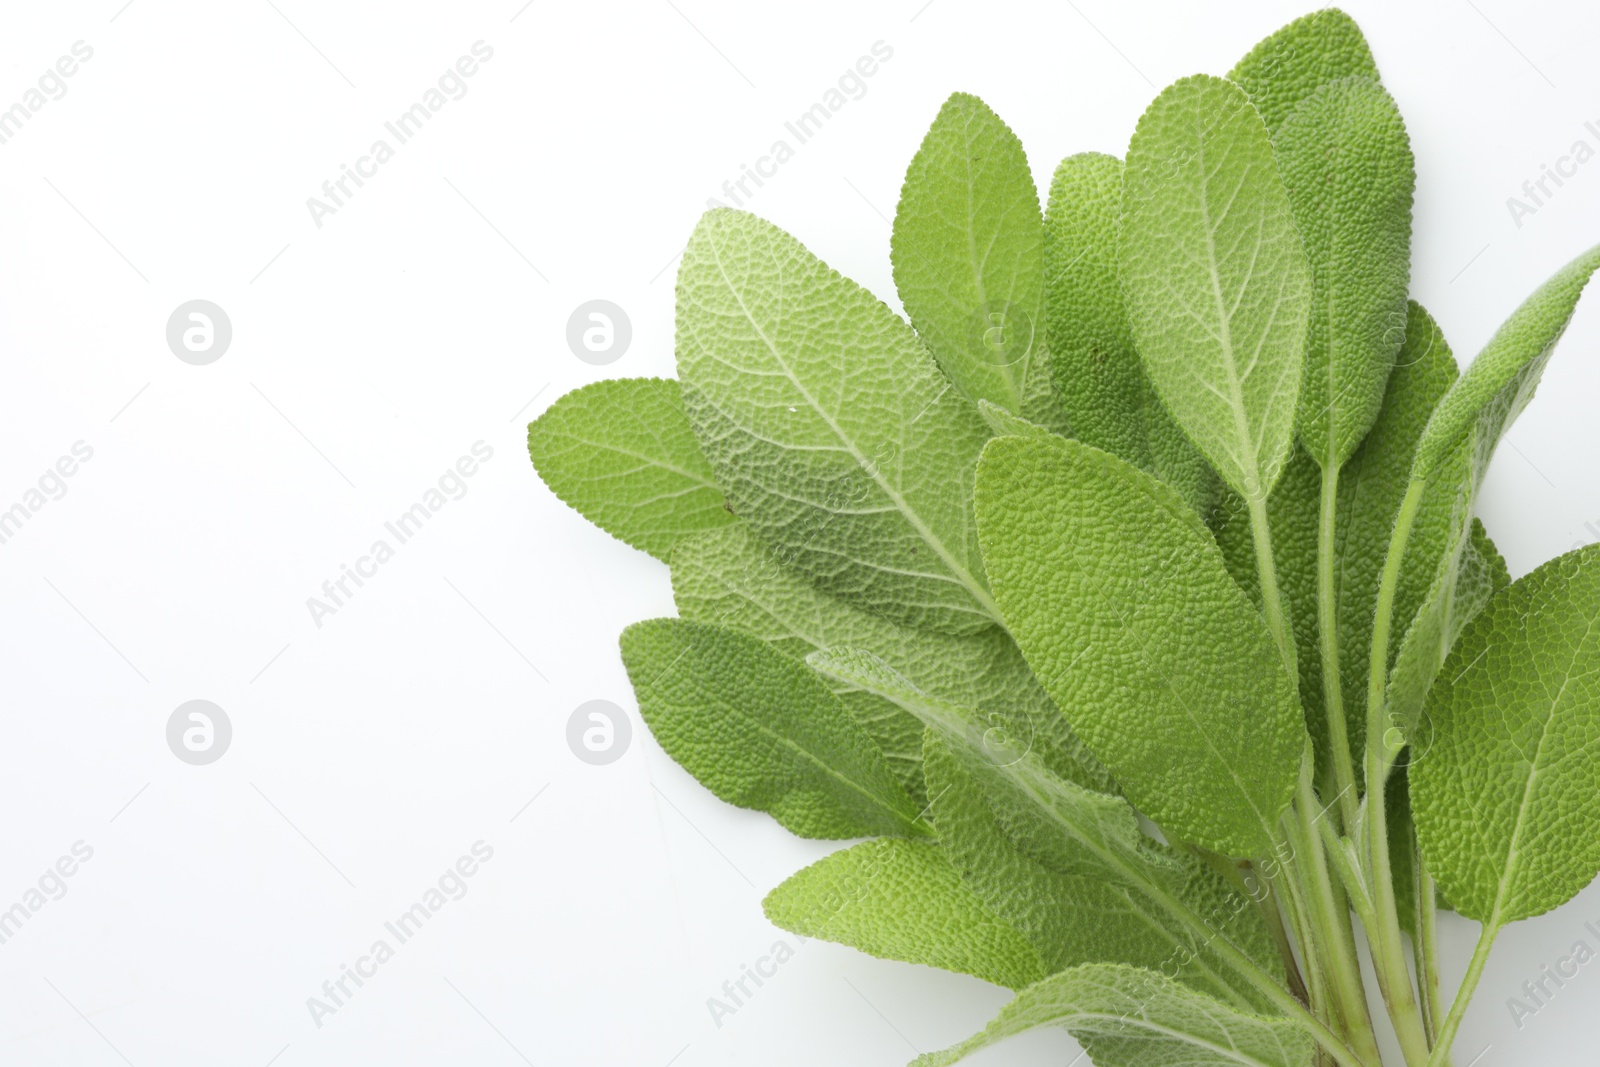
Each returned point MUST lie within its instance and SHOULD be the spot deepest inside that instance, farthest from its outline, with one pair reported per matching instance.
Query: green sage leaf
(1217, 284)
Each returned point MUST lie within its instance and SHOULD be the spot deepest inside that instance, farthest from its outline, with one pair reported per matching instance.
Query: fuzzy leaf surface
(1452, 457)
(1346, 162)
(968, 253)
(729, 577)
(1109, 402)
(829, 426)
(1290, 65)
(1123, 607)
(1492, 392)
(1503, 790)
(1130, 1017)
(1217, 285)
(1072, 870)
(621, 453)
(761, 731)
(903, 900)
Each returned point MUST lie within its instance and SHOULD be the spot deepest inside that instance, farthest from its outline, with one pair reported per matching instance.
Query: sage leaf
(903, 900)
(1216, 282)
(761, 731)
(968, 253)
(1346, 163)
(1451, 459)
(728, 577)
(1501, 381)
(1292, 64)
(1108, 401)
(1130, 1017)
(1123, 607)
(1083, 883)
(622, 454)
(1502, 780)
(829, 426)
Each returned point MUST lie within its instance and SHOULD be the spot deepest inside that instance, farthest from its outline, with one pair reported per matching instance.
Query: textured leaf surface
(1217, 285)
(761, 731)
(1109, 403)
(1501, 381)
(1371, 487)
(1504, 793)
(728, 577)
(829, 426)
(968, 253)
(1130, 1017)
(1451, 459)
(622, 454)
(1467, 577)
(1450, 565)
(1292, 516)
(1122, 605)
(902, 900)
(1041, 403)
(1346, 162)
(1296, 61)
(1071, 869)
(1004, 424)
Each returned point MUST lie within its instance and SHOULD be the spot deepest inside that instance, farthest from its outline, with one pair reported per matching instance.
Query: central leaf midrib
(1533, 777)
(1225, 325)
(871, 469)
(805, 754)
(1233, 1053)
(1012, 387)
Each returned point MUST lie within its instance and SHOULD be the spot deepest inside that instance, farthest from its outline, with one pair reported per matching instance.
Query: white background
(430, 313)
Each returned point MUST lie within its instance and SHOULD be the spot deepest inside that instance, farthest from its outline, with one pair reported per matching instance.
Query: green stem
(1273, 912)
(1341, 853)
(1316, 980)
(1273, 990)
(1333, 1044)
(1344, 772)
(1458, 1009)
(1330, 922)
(1266, 902)
(1388, 955)
(1380, 748)
(1267, 574)
(1383, 932)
